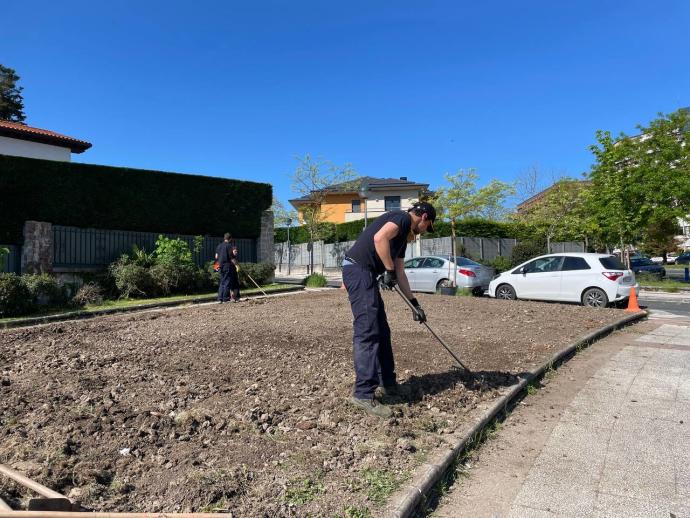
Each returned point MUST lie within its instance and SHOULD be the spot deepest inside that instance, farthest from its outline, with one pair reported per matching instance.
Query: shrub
(213, 276)
(15, 297)
(315, 280)
(262, 273)
(44, 289)
(168, 277)
(89, 293)
(525, 251)
(131, 279)
(500, 263)
(173, 251)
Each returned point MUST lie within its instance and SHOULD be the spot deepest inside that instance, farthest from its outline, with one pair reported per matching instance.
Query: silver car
(430, 273)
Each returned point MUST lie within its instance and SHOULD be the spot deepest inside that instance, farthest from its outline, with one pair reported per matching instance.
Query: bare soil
(243, 407)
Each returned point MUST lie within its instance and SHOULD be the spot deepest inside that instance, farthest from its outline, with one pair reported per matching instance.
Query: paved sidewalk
(621, 448)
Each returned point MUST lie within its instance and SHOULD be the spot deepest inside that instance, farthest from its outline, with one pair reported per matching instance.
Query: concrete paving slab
(650, 408)
(616, 506)
(528, 512)
(638, 480)
(558, 496)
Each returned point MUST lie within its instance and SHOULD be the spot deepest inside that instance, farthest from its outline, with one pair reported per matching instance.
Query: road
(666, 305)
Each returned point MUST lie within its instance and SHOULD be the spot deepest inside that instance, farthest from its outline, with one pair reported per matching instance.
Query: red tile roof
(23, 132)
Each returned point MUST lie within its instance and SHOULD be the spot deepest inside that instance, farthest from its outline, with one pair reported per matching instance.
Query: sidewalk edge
(82, 315)
(428, 475)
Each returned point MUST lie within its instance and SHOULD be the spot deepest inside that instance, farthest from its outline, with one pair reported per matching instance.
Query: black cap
(423, 207)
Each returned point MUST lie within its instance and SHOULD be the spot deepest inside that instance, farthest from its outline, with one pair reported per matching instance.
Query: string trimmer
(414, 309)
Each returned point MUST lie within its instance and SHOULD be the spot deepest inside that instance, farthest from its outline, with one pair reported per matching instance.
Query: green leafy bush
(89, 293)
(45, 290)
(15, 297)
(315, 280)
(500, 263)
(131, 279)
(173, 278)
(262, 273)
(525, 251)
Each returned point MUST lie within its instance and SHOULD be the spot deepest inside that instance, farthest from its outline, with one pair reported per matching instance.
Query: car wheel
(595, 298)
(478, 292)
(443, 283)
(505, 292)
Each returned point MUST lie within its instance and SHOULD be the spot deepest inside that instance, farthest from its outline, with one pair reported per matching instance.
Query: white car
(670, 258)
(594, 280)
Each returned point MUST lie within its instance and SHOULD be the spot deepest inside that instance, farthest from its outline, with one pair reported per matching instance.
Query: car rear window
(464, 261)
(612, 263)
(574, 263)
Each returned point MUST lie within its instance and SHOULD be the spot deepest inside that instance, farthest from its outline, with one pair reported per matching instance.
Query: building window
(392, 203)
(356, 206)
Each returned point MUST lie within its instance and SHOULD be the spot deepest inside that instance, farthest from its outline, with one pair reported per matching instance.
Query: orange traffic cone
(633, 307)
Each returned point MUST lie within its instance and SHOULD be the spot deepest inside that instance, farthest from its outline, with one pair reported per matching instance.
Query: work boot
(373, 407)
(383, 391)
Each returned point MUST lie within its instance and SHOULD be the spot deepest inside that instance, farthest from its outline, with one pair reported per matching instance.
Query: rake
(414, 309)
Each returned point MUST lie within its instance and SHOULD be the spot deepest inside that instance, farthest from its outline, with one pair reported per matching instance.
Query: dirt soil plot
(244, 407)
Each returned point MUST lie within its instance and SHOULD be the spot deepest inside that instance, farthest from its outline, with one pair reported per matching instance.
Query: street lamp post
(364, 194)
(289, 222)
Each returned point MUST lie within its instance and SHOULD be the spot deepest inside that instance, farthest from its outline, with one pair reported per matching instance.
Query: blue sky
(396, 88)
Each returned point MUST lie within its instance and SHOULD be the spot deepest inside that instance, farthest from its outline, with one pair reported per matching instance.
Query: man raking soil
(380, 252)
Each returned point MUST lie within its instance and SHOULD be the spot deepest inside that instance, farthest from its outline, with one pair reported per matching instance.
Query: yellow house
(364, 197)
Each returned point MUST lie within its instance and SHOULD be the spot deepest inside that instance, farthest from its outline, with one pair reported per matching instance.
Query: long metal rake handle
(411, 306)
(255, 284)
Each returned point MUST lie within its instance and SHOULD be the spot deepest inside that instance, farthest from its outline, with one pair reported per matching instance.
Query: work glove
(418, 314)
(388, 280)
(237, 267)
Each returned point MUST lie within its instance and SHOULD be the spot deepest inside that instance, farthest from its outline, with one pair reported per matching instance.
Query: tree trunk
(452, 253)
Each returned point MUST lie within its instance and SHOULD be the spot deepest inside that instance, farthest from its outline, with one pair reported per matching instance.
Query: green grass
(126, 303)
(302, 491)
(664, 285)
(379, 484)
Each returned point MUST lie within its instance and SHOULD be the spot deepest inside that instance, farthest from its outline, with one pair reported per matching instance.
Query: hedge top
(119, 198)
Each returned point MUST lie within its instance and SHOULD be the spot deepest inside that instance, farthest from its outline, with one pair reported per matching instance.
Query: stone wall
(264, 245)
(37, 251)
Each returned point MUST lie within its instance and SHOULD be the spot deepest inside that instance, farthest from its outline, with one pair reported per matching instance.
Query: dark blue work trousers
(373, 354)
(224, 286)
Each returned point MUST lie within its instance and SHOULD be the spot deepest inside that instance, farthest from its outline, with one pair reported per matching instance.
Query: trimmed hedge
(471, 227)
(97, 196)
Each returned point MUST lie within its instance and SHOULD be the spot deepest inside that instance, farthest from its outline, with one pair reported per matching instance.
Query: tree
(313, 179)
(560, 211)
(281, 215)
(11, 101)
(641, 181)
(462, 199)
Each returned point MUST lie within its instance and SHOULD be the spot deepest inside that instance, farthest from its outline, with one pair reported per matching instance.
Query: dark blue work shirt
(224, 251)
(363, 252)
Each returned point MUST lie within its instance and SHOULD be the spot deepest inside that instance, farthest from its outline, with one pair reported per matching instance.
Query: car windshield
(611, 263)
(464, 261)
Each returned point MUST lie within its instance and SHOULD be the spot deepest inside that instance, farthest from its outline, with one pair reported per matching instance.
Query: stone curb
(81, 315)
(428, 475)
(662, 290)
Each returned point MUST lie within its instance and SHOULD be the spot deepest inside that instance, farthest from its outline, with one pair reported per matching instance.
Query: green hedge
(471, 227)
(96, 196)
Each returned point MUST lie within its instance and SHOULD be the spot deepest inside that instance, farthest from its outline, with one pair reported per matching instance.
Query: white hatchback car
(594, 280)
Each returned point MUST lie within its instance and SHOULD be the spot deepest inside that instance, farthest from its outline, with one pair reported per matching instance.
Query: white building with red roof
(18, 139)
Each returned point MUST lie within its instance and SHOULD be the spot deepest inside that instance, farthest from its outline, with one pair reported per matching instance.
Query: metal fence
(13, 261)
(95, 248)
(477, 248)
